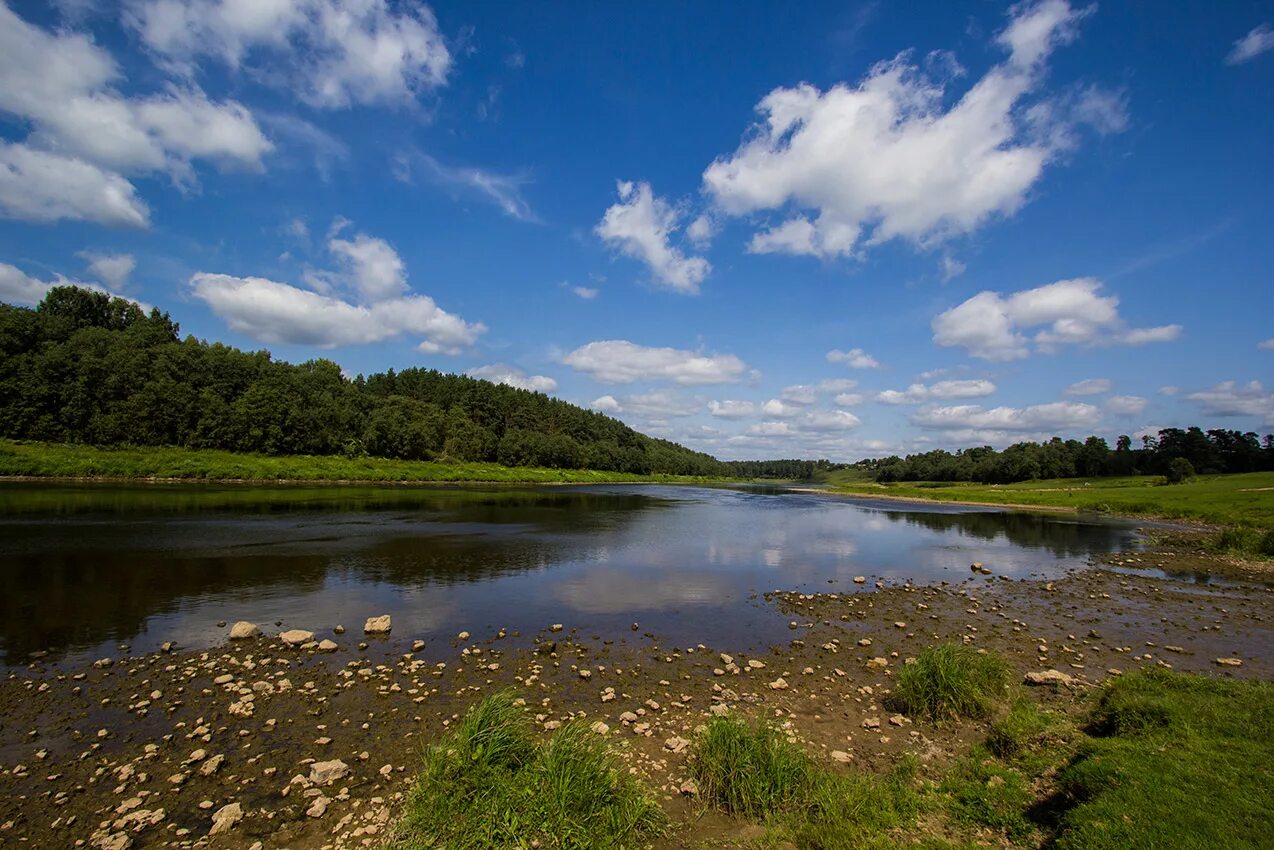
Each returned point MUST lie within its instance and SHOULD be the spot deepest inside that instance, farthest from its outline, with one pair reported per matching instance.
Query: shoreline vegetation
(27, 460)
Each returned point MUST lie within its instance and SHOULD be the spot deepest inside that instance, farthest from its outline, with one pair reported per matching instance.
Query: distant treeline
(798, 470)
(1214, 451)
(83, 367)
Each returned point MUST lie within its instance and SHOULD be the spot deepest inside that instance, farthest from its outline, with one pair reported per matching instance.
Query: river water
(84, 568)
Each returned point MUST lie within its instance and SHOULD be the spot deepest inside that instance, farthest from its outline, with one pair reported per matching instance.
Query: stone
(296, 637)
(689, 788)
(112, 841)
(676, 744)
(1230, 662)
(600, 728)
(841, 757)
(864, 641)
(556, 627)
(212, 765)
(726, 660)
(585, 673)
(878, 663)
(755, 664)
(417, 645)
(318, 808)
(779, 684)
(326, 645)
(339, 630)
(243, 630)
(860, 579)
(226, 818)
(378, 625)
(327, 772)
(1048, 677)
(871, 723)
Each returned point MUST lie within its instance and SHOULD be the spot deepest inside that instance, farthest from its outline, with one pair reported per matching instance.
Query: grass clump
(982, 791)
(491, 784)
(1244, 540)
(1178, 760)
(756, 772)
(1021, 727)
(950, 681)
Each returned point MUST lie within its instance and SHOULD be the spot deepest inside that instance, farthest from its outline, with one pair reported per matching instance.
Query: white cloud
(607, 404)
(1058, 415)
(499, 373)
(951, 268)
(268, 311)
(1266, 345)
(639, 226)
(622, 362)
(848, 399)
(1169, 390)
(371, 265)
(503, 190)
(659, 404)
(1072, 312)
(780, 409)
(46, 187)
(836, 385)
(1256, 42)
(1126, 405)
(1090, 386)
(803, 394)
(917, 393)
(17, 287)
(856, 358)
(585, 292)
(701, 230)
(887, 158)
(729, 409)
(112, 269)
(1229, 398)
(332, 53)
(828, 420)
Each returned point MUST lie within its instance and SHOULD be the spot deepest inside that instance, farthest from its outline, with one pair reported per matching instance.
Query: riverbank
(309, 748)
(1220, 500)
(55, 461)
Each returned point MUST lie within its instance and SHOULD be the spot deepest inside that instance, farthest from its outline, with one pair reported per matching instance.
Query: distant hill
(83, 367)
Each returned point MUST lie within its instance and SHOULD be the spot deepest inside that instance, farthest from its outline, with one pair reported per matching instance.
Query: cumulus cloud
(855, 358)
(1090, 386)
(1055, 416)
(366, 300)
(836, 385)
(1126, 405)
(657, 404)
(499, 373)
(85, 134)
(1068, 312)
(18, 287)
(781, 409)
(1257, 41)
(1229, 398)
(1266, 345)
(619, 361)
(731, 409)
(640, 226)
(859, 165)
(44, 187)
(607, 404)
(848, 399)
(803, 394)
(332, 53)
(808, 422)
(917, 393)
(112, 269)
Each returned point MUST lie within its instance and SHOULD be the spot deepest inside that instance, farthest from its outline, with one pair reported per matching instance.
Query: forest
(83, 367)
(1174, 453)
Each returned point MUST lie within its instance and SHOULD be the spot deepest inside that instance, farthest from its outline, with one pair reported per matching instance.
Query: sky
(848, 230)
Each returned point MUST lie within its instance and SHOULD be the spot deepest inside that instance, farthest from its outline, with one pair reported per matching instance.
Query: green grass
(1177, 760)
(949, 682)
(1233, 500)
(54, 460)
(756, 772)
(490, 784)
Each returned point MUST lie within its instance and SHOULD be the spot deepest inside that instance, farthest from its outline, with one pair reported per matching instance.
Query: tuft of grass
(1179, 760)
(754, 771)
(1015, 732)
(1243, 540)
(949, 682)
(751, 771)
(490, 784)
(987, 793)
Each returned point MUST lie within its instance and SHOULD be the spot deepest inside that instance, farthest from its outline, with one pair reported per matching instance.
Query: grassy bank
(1231, 500)
(52, 460)
(1149, 760)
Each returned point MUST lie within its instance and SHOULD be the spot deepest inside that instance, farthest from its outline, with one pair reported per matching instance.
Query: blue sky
(853, 230)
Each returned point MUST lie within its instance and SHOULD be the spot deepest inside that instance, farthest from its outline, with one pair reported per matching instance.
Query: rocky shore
(310, 739)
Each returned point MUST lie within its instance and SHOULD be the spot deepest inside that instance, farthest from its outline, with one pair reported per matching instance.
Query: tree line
(1174, 452)
(83, 367)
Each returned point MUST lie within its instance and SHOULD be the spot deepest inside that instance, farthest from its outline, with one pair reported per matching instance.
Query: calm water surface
(83, 568)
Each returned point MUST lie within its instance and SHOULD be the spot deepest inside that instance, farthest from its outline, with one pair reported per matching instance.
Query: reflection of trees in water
(1038, 531)
(55, 499)
(67, 584)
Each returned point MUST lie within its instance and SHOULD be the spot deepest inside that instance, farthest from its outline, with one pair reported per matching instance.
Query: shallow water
(86, 567)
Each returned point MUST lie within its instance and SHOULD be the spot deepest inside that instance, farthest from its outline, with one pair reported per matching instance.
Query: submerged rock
(243, 630)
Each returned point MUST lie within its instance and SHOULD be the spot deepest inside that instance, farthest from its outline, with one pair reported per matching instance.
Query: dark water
(83, 568)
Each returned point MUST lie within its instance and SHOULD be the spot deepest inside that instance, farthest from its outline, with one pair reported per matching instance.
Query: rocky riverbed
(311, 740)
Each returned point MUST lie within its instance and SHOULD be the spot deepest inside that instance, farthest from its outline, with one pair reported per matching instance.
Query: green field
(49, 460)
(1232, 500)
